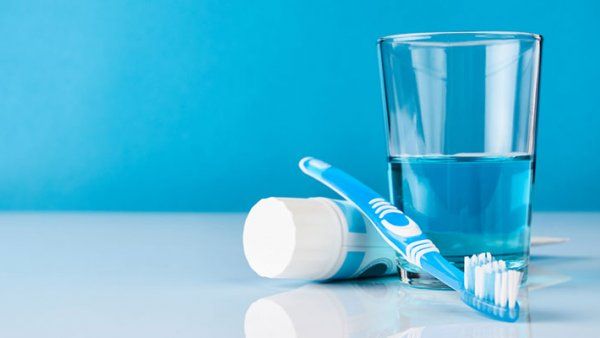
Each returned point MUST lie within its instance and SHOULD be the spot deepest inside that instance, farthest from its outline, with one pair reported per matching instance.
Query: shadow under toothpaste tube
(383, 307)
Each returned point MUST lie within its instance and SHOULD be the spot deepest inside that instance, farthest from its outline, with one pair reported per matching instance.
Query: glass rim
(465, 38)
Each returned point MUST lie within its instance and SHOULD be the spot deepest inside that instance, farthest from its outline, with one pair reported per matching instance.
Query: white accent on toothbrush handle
(397, 229)
(367, 200)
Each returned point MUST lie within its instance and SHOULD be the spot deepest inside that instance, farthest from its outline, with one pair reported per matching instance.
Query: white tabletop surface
(184, 275)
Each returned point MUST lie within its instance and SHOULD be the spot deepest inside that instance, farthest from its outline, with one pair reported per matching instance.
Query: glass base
(415, 277)
(421, 280)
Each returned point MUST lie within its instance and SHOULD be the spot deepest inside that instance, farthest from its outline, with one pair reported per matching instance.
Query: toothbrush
(486, 285)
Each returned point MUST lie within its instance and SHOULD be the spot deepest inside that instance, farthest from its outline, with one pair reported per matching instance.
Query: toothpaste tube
(313, 239)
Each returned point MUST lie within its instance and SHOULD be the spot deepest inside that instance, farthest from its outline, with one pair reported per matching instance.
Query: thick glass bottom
(416, 277)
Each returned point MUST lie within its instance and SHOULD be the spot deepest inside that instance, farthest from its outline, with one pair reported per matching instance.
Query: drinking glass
(460, 113)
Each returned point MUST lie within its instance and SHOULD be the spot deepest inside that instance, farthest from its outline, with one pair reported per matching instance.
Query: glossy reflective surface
(184, 275)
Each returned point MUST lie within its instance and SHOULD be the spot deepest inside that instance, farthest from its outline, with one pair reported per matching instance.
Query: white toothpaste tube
(313, 239)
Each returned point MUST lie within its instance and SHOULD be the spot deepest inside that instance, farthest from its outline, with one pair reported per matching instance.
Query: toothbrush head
(491, 288)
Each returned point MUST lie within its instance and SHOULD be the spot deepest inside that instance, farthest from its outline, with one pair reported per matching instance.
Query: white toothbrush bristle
(491, 281)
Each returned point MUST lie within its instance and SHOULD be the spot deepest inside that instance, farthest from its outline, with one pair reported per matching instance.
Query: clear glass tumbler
(461, 122)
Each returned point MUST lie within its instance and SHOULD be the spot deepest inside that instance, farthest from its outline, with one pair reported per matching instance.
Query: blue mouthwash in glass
(466, 204)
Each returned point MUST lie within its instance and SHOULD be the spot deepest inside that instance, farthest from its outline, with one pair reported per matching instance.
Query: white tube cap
(294, 238)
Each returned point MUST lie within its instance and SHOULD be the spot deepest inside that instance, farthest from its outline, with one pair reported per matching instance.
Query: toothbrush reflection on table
(383, 308)
(486, 285)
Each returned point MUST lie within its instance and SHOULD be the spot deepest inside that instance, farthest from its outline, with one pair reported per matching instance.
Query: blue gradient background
(207, 105)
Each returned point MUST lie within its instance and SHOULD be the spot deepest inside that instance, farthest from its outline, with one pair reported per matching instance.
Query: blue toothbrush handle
(490, 288)
(398, 230)
(402, 230)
